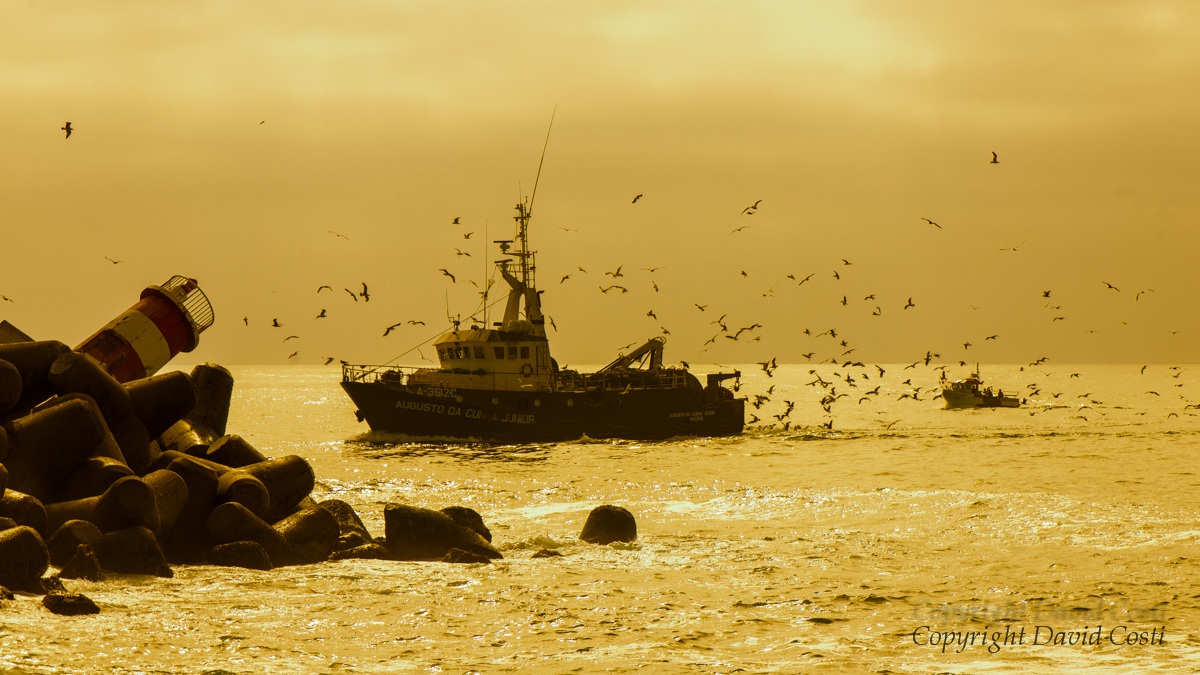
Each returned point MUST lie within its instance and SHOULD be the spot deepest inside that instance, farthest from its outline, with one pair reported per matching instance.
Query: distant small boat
(970, 393)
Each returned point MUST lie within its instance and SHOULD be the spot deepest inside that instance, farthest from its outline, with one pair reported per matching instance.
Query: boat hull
(964, 399)
(424, 412)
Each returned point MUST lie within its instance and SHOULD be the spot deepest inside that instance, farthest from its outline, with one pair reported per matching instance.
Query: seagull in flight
(749, 210)
(635, 199)
(443, 270)
(1111, 286)
(365, 295)
(67, 129)
(932, 223)
(115, 262)
(995, 159)
(338, 234)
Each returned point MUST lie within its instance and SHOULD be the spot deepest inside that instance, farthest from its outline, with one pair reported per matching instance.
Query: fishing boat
(971, 393)
(499, 383)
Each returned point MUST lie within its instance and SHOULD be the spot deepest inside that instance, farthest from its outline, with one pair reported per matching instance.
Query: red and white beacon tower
(167, 320)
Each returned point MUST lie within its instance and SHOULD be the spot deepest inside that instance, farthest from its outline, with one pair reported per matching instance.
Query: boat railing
(399, 374)
(665, 378)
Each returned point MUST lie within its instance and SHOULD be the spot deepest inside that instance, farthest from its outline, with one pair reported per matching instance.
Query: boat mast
(525, 283)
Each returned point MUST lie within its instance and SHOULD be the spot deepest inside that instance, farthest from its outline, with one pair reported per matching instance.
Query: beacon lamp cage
(186, 295)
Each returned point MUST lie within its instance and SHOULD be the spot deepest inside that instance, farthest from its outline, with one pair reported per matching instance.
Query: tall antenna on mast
(543, 158)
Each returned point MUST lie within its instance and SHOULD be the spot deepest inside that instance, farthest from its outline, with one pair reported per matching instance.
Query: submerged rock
(459, 556)
(608, 523)
(311, 535)
(469, 518)
(134, 550)
(248, 554)
(371, 551)
(414, 533)
(69, 604)
(85, 564)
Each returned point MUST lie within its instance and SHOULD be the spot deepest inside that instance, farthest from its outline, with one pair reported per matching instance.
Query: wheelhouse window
(499, 352)
(524, 352)
(479, 352)
(512, 351)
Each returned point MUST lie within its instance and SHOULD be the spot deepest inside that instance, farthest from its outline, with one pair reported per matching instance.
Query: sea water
(1059, 536)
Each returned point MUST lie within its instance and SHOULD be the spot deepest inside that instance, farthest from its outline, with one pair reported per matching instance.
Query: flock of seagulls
(849, 374)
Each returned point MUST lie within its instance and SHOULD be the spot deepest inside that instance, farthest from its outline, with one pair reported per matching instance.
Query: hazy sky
(230, 141)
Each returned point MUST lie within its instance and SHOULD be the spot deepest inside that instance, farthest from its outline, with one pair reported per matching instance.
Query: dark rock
(6, 594)
(134, 550)
(65, 541)
(347, 518)
(351, 540)
(608, 523)
(51, 583)
(69, 604)
(247, 554)
(469, 518)
(546, 553)
(311, 535)
(459, 556)
(414, 533)
(85, 564)
(371, 551)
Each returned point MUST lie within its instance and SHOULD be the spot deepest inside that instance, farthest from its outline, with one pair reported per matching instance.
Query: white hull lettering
(469, 413)
(435, 408)
(434, 392)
